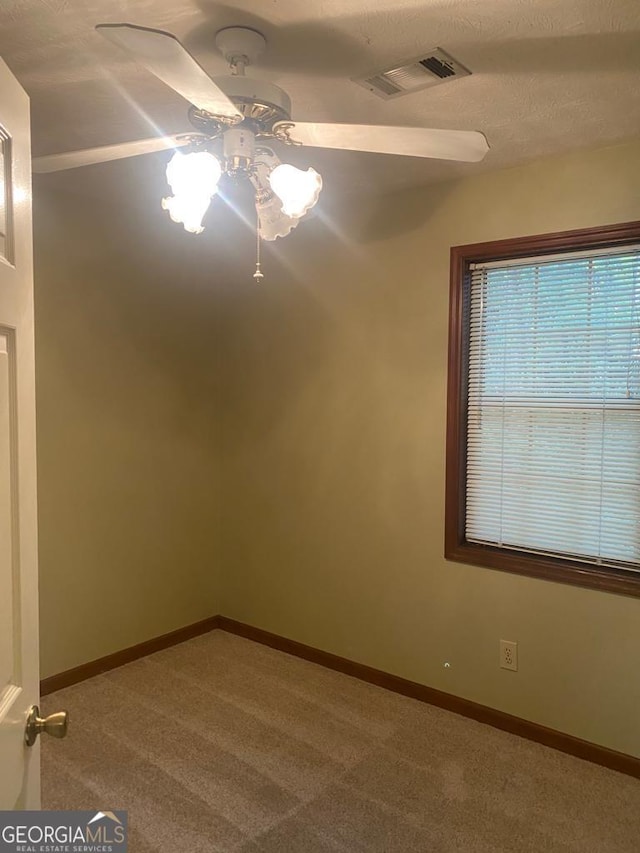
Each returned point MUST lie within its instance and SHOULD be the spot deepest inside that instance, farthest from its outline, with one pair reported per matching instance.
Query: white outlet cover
(509, 655)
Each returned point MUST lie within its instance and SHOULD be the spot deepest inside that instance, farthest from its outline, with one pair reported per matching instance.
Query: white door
(19, 764)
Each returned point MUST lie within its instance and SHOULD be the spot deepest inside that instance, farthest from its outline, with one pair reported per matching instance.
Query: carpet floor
(220, 744)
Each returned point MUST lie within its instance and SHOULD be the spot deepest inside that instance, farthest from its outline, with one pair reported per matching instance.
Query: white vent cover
(434, 67)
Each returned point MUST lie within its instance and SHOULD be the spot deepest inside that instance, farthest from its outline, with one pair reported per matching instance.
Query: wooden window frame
(457, 548)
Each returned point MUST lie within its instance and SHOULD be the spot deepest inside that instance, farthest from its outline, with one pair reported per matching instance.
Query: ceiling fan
(240, 118)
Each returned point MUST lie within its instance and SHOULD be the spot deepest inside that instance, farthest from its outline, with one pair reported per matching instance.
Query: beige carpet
(220, 744)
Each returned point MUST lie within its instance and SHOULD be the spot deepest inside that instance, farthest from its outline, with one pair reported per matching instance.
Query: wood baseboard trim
(623, 763)
(97, 667)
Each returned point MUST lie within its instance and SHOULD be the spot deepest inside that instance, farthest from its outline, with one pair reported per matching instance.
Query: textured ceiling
(548, 76)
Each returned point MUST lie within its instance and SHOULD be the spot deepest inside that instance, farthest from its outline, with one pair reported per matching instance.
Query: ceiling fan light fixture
(243, 113)
(195, 172)
(273, 222)
(193, 179)
(297, 190)
(187, 210)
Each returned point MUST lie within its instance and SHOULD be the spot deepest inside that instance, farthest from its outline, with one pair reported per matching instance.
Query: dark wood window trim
(456, 546)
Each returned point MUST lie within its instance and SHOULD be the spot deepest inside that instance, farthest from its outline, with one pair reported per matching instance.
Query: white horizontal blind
(553, 430)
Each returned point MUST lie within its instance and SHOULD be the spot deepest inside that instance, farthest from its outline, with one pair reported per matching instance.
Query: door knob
(55, 725)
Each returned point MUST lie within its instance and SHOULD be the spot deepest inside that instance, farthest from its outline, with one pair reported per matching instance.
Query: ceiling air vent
(437, 66)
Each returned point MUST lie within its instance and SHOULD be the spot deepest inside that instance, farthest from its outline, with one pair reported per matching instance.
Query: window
(543, 437)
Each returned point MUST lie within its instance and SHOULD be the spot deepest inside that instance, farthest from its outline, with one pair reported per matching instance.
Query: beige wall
(276, 453)
(333, 436)
(128, 480)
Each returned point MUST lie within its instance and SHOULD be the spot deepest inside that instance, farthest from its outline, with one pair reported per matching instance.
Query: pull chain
(258, 274)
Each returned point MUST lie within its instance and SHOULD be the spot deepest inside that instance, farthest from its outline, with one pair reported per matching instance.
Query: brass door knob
(55, 725)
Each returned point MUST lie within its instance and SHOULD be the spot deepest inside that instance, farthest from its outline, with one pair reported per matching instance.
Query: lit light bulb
(193, 179)
(297, 190)
(194, 173)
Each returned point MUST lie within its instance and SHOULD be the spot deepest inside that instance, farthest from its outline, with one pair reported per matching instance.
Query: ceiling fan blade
(163, 55)
(88, 156)
(465, 145)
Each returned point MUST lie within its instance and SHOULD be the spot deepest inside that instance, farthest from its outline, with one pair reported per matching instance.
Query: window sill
(608, 579)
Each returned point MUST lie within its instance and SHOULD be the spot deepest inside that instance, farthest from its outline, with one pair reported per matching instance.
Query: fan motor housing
(260, 102)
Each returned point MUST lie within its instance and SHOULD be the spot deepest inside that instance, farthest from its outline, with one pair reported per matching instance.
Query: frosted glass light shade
(189, 210)
(194, 173)
(193, 179)
(273, 221)
(297, 190)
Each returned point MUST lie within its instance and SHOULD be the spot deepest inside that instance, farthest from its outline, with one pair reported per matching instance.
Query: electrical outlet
(509, 655)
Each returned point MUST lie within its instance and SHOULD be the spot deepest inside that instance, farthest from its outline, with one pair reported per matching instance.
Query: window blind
(553, 423)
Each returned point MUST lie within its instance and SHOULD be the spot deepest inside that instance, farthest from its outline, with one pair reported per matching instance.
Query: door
(19, 764)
